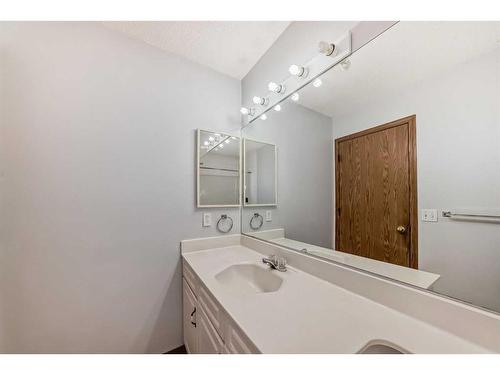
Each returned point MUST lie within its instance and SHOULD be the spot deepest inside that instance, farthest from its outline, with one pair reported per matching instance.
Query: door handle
(194, 312)
(401, 229)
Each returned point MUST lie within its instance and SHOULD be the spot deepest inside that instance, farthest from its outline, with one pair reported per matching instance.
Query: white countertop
(411, 276)
(310, 315)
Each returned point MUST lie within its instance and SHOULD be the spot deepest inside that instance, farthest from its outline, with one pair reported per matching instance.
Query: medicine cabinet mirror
(218, 169)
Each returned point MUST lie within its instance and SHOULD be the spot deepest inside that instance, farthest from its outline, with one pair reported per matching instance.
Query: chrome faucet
(276, 263)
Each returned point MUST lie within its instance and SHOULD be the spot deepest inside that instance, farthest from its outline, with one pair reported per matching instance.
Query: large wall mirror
(218, 167)
(390, 161)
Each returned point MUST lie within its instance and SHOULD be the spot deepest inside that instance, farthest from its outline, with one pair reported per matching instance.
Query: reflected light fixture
(227, 141)
(295, 97)
(259, 100)
(206, 143)
(276, 87)
(317, 82)
(244, 111)
(221, 145)
(263, 117)
(298, 71)
(211, 139)
(326, 48)
(345, 64)
(277, 108)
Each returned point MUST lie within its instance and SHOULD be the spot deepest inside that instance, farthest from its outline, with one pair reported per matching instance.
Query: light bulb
(345, 64)
(233, 138)
(221, 145)
(227, 141)
(295, 97)
(277, 108)
(296, 70)
(211, 139)
(206, 143)
(258, 100)
(326, 48)
(244, 111)
(275, 87)
(317, 82)
(263, 117)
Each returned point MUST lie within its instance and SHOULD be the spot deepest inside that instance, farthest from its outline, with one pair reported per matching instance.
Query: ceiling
(231, 48)
(407, 53)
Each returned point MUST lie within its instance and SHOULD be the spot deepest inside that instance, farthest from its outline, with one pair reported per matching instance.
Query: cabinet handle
(194, 312)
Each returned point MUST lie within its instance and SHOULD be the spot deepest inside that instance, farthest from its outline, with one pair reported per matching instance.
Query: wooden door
(375, 193)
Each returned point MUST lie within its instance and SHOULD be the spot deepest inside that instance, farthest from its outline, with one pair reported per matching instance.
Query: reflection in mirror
(218, 170)
(259, 163)
(391, 163)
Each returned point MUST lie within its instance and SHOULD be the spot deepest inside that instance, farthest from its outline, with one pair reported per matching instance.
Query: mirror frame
(198, 205)
(275, 204)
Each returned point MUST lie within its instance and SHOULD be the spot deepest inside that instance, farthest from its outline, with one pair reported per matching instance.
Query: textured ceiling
(231, 48)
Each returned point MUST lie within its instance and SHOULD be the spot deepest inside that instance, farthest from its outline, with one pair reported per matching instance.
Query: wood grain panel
(375, 178)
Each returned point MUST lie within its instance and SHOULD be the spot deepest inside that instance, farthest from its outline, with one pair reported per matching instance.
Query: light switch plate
(429, 214)
(207, 219)
(269, 216)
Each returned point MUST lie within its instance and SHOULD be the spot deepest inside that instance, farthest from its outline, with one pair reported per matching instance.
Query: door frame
(412, 166)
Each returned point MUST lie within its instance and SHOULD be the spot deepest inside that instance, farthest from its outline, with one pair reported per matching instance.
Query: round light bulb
(257, 100)
(317, 82)
(295, 97)
(211, 139)
(345, 65)
(273, 86)
(244, 111)
(263, 117)
(294, 70)
(206, 143)
(277, 108)
(227, 141)
(221, 145)
(326, 48)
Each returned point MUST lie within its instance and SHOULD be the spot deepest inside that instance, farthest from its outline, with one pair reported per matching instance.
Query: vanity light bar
(329, 55)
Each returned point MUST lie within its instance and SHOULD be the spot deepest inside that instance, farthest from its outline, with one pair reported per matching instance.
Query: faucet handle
(281, 264)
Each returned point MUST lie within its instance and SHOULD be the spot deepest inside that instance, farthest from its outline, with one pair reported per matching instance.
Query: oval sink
(249, 278)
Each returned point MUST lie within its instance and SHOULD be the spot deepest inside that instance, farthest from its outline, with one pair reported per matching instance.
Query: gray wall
(97, 186)
(458, 155)
(304, 146)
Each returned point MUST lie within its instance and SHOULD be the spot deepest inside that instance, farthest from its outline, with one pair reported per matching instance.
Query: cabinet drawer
(210, 307)
(190, 276)
(209, 341)
(238, 343)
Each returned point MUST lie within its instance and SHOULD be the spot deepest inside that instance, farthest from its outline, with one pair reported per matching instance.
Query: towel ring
(225, 224)
(260, 221)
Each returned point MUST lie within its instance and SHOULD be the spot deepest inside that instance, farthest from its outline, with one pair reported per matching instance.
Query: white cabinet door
(189, 318)
(209, 341)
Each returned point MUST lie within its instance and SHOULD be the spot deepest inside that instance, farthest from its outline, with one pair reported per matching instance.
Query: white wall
(458, 156)
(97, 186)
(304, 147)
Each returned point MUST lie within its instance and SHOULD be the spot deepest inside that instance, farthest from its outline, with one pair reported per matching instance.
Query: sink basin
(379, 347)
(249, 278)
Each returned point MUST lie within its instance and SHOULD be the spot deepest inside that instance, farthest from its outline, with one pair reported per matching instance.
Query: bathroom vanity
(234, 303)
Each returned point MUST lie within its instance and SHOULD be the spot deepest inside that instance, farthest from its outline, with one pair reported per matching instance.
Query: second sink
(249, 277)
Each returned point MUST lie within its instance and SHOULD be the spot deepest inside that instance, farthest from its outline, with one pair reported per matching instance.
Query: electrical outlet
(207, 219)
(269, 216)
(429, 214)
